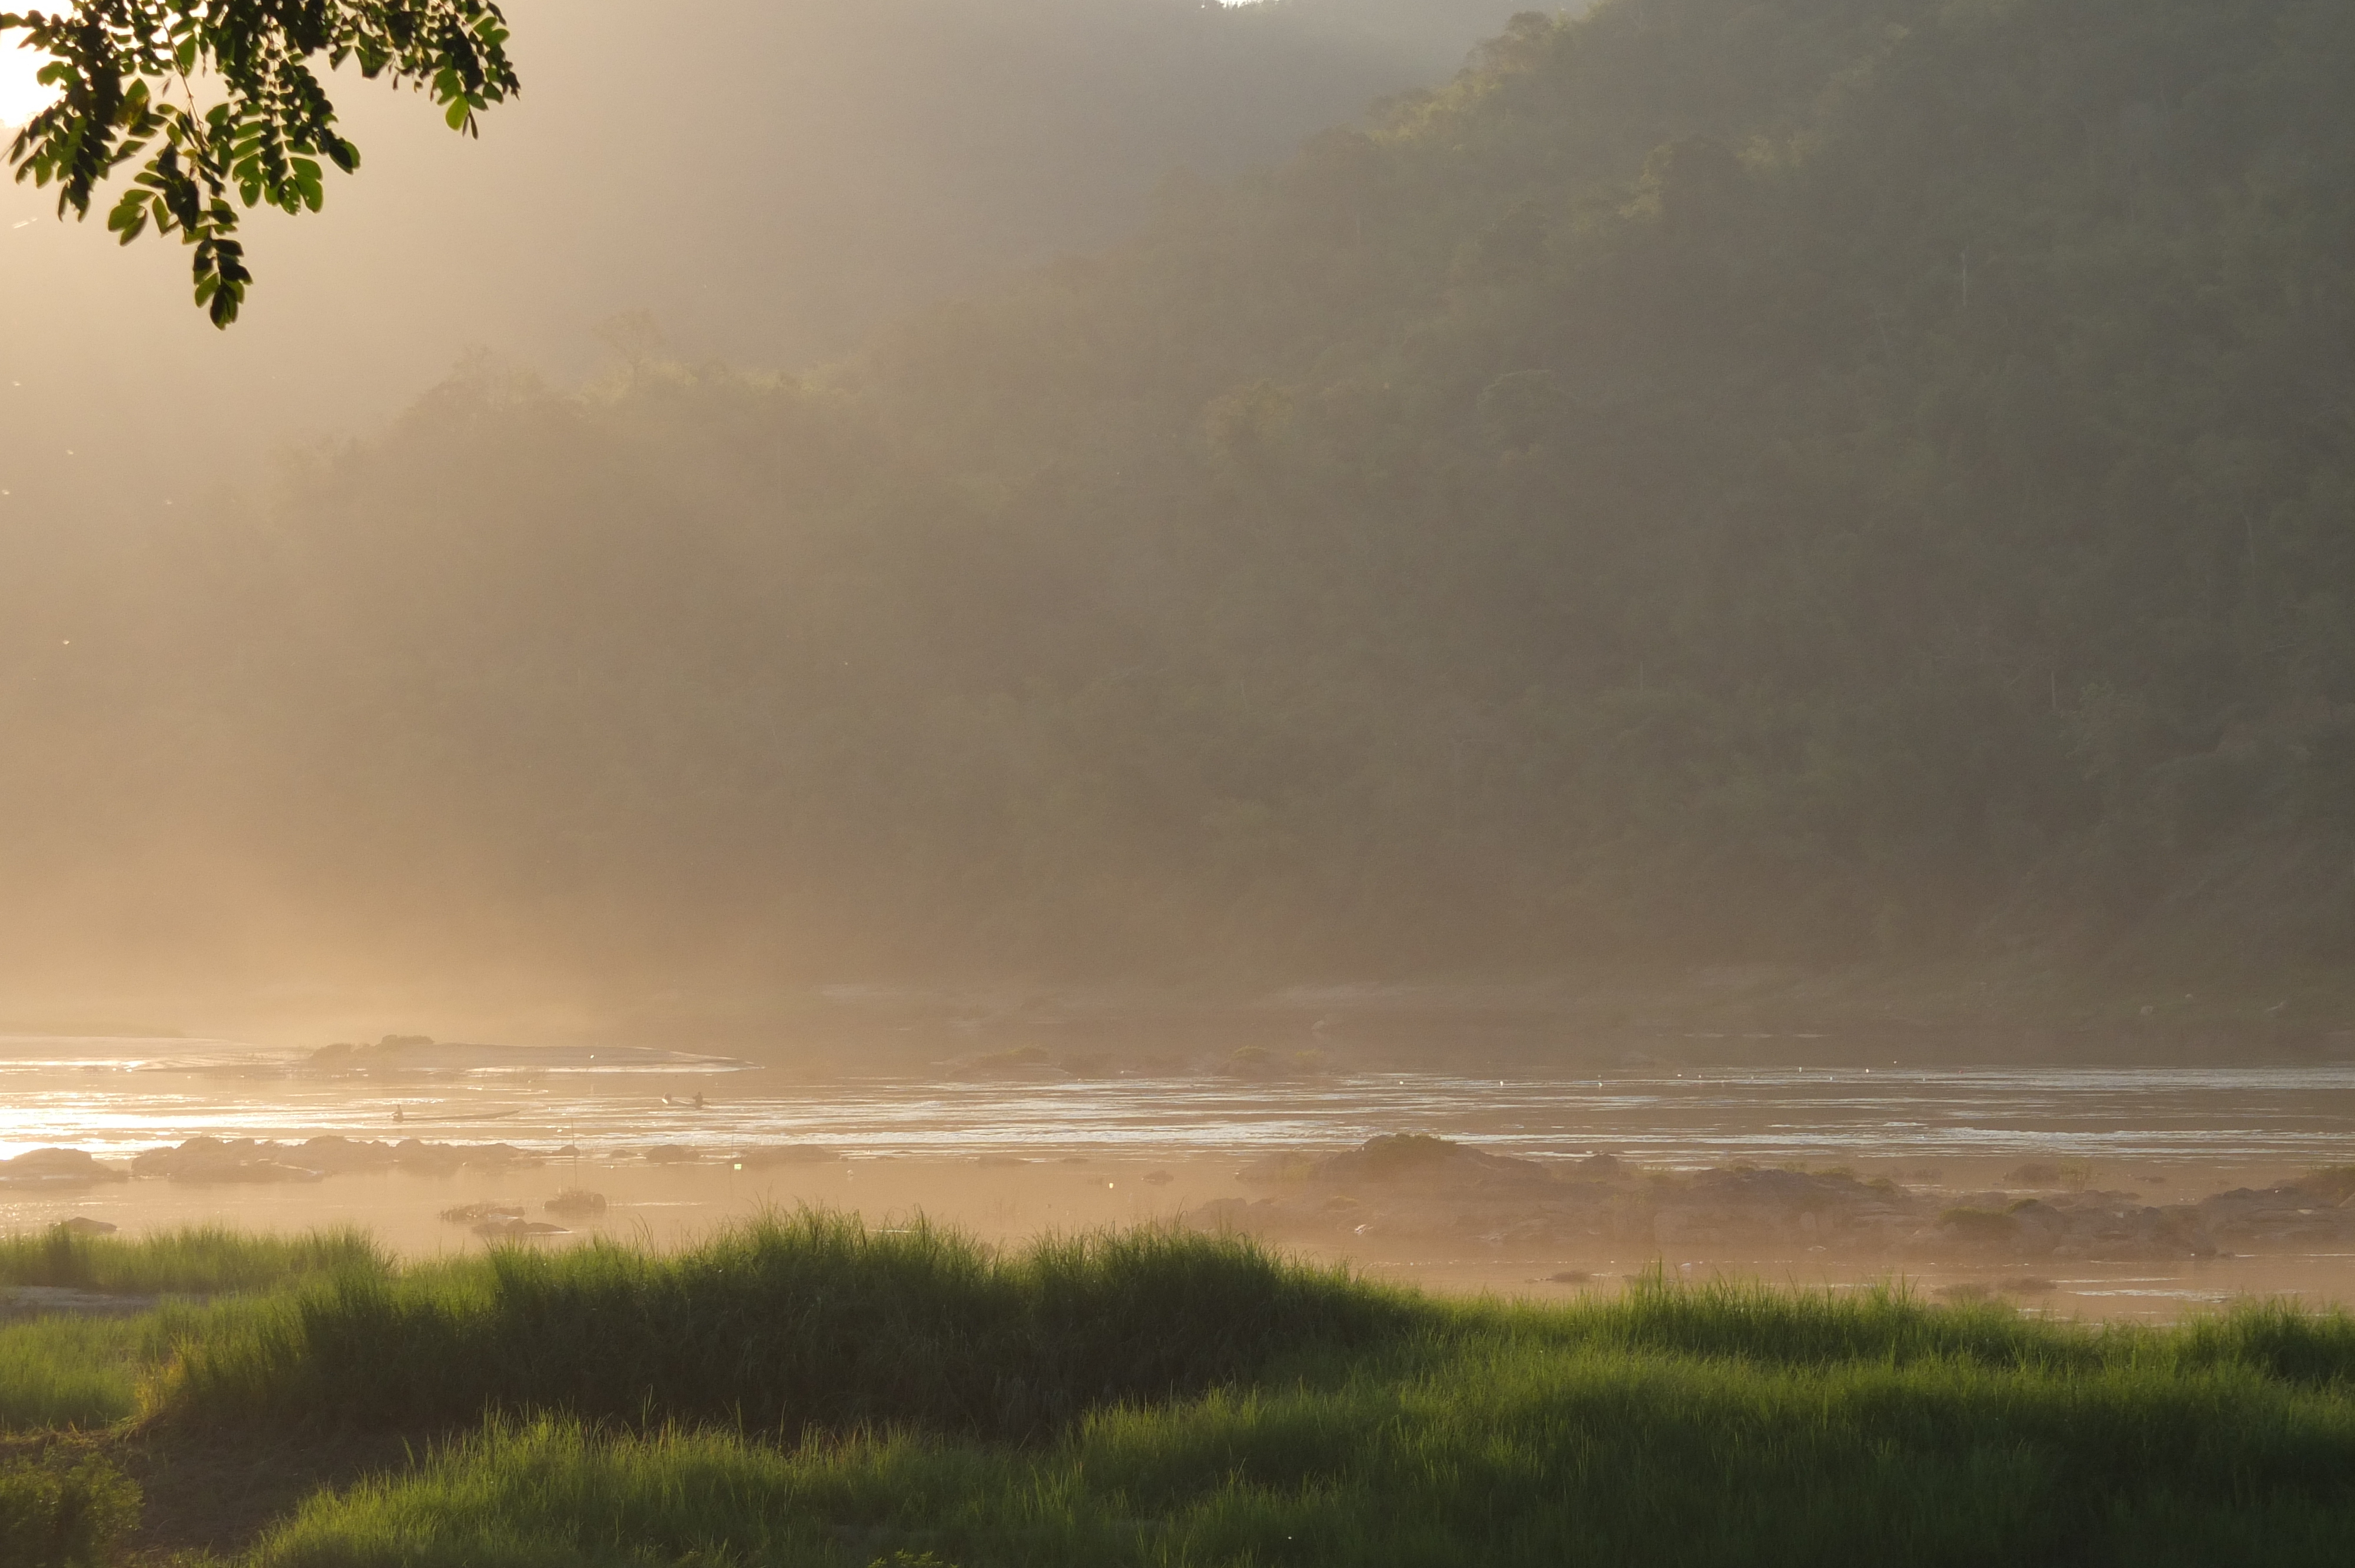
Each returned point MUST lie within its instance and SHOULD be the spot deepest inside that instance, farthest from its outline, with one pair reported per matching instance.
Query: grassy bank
(802, 1391)
(73, 1372)
(1671, 1426)
(64, 1369)
(191, 1260)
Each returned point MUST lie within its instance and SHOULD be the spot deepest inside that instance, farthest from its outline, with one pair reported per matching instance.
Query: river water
(1011, 1158)
(117, 1096)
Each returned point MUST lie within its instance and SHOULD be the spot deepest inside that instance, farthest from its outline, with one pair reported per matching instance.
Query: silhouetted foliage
(127, 75)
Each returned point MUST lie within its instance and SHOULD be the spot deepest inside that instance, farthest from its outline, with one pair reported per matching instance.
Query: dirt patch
(202, 1496)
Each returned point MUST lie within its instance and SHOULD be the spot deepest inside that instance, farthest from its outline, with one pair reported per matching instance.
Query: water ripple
(119, 1096)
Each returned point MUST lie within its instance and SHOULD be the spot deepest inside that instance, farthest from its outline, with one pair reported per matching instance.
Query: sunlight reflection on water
(118, 1095)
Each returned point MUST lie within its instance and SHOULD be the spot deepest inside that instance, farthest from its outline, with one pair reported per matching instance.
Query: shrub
(59, 1512)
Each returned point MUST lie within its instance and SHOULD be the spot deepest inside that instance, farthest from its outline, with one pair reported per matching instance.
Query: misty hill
(1823, 481)
(771, 178)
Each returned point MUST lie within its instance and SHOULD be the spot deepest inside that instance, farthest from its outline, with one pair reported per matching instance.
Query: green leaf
(110, 61)
(129, 218)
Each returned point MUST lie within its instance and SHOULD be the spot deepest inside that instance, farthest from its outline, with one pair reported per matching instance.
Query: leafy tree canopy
(214, 99)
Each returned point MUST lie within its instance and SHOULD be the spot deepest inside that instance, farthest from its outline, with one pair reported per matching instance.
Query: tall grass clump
(61, 1372)
(1753, 1321)
(2281, 1340)
(783, 1324)
(64, 1371)
(196, 1260)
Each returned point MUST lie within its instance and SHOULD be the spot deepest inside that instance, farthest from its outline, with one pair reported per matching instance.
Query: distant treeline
(1819, 480)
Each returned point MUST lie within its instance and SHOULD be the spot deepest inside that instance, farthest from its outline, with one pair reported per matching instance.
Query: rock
(1270, 1170)
(470, 1214)
(414, 1154)
(1218, 1214)
(1749, 1209)
(1966, 1226)
(83, 1226)
(672, 1154)
(243, 1160)
(161, 1162)
(336, 1154)
(518, 1229)
(1397, 1159)
(1431, 1191)
(205, 1162)
(57, 1167)
(2302, 1211)
(574, 1202)
(1437, 1191)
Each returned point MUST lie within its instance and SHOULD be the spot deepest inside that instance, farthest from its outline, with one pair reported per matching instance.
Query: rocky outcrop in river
(1410, 1188)
(53, 1170)
(246, 1159)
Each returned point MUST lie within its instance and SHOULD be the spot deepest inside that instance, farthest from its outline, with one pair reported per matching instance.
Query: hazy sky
(19, 93)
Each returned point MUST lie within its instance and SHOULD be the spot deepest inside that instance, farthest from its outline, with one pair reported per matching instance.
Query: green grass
(62, 1371)
(801, 1391)
(788, 1322)
(1477, 1445)
(193, 1260)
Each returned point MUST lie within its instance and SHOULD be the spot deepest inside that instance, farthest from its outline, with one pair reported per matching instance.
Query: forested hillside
(1824, 481)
